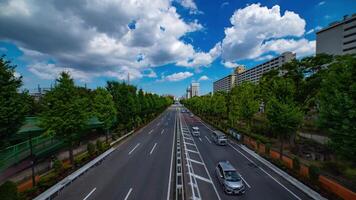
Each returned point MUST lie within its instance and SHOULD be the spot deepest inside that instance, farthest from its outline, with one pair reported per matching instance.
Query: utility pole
(128, 78)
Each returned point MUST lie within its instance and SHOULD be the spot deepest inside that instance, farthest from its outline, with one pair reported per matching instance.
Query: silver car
(229, 178)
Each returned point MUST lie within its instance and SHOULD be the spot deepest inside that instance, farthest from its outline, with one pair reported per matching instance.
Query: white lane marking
(266, 173)
(280, 183)
(208, 139)
(200, 140)
(189, 143)
(150, 131)
(170, 169)
(153, 148)
(134, 148)
(192, 151)
(128, 194)
(91, 192)
(162, 131)
(195, 161)
(201, 178)
(248, 185)
(242, 154)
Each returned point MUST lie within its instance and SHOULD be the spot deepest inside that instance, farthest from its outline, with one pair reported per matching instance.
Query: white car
(195, 131)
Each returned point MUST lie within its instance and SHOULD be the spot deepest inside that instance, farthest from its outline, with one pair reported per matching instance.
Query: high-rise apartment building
(225, 84)
(338, 38)
(228, 82)
(254, 74)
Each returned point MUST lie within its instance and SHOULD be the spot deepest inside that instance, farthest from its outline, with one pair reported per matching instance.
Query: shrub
(8, 191)
(350, 174)
(268, 148)
(314, 172)
(296, 164)
(333, 167)
(100, 146)
(58, 166)
(80, 159)
(91, 149)
(47, 181)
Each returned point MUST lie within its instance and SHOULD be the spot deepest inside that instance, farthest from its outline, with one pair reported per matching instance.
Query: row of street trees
(321, 87)
(65, 110)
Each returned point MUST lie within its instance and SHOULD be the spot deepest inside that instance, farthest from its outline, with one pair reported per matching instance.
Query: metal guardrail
(54, 190)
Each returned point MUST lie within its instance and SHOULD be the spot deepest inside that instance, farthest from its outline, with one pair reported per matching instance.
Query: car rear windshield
(232, 176)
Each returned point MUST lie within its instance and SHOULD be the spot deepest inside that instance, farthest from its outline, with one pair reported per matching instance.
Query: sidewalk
(22, 171)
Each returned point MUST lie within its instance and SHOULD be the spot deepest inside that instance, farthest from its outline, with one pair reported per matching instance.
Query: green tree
(104, 109)
(65, 112)
(283, 113)
(244, 103)
(337, 105)
(12, 109)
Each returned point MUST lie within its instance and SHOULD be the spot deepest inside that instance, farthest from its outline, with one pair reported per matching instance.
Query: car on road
(219, 138)
(195, 131)
(229, 178)
(191, 115)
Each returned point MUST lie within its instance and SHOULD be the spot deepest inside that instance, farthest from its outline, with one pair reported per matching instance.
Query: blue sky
(163, 44)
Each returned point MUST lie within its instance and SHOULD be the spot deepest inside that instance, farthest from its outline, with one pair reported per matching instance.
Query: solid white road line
(91, 192)
(162, 131)
(200, 140)
(248, 185)
(266, 173)
(134, 148)
(150, 131)
(128, 194)
(153, 148)
(280, 183)
(208, 139)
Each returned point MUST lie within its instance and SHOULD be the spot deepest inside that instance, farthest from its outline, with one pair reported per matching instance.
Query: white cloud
(256, 28)
(203, 78)
(151, 74)
(178, 76)
(229, 64)
(95, 46)
(224, 4)
(321, 3)
(201, 59)
(191, 5)
(313, 30)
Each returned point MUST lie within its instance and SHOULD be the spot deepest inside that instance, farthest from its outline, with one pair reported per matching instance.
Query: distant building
(254, 74)
(39, 92)
(194, 87)
(338, 38)
(192, 90)
(188, 93)
(225, 84)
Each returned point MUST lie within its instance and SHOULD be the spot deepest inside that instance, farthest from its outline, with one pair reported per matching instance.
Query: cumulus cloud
(191, 5)
(257, 29)
(178, 76)
(229, 64)
(98, 38)
(201, 59)
(203, 78)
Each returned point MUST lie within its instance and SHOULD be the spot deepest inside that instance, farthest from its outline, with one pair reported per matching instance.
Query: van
(219, 138)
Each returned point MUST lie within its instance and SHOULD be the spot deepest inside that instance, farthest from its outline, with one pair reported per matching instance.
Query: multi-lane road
(144, 167)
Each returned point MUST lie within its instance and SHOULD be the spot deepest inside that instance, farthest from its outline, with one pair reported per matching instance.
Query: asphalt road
(260, 181)
(140, 168)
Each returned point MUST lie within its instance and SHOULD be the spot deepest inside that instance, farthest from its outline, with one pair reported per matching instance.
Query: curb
(310, 192)
(283, 174)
